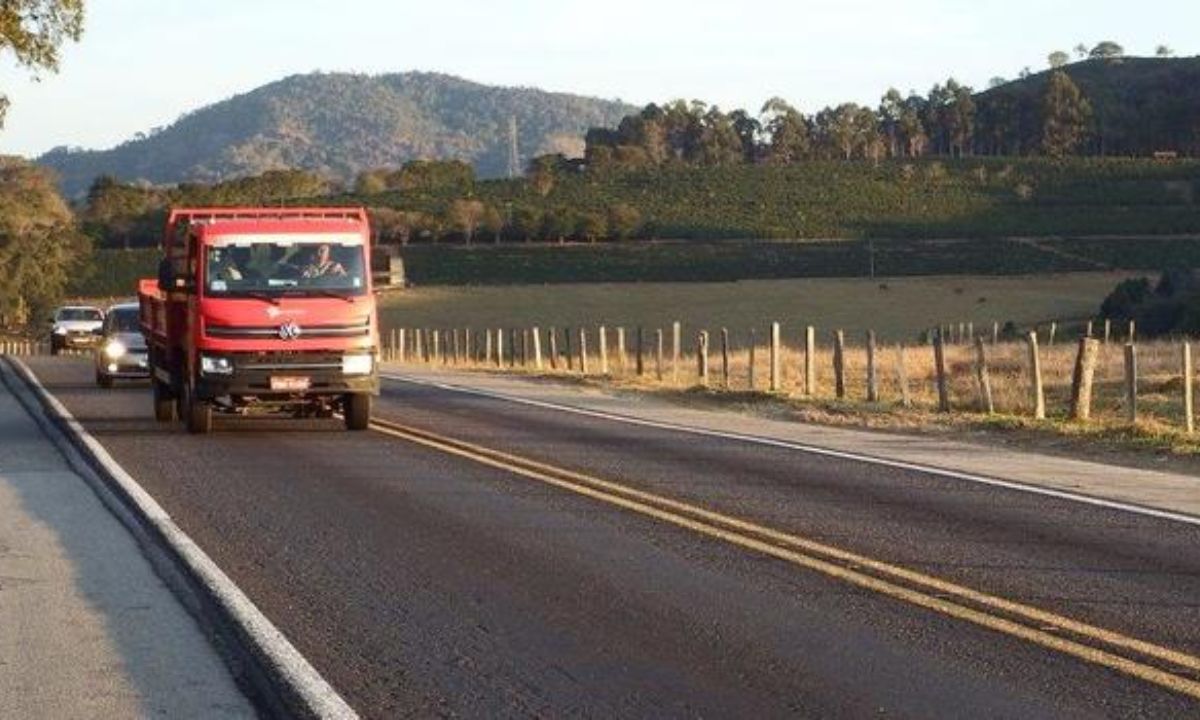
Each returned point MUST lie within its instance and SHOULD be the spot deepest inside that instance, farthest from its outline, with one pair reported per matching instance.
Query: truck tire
(164, 404)
(197, 414)
(54, 349)
(103, 380)
(356, 410)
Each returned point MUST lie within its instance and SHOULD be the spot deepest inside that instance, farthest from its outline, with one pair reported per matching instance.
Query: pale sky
(143, 63)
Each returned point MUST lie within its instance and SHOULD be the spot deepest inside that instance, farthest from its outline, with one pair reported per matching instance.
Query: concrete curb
(278, 679)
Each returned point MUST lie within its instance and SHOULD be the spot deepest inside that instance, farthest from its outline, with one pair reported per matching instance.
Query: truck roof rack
(189, 215)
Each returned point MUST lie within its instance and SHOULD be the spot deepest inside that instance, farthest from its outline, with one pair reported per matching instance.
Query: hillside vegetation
(340, 124)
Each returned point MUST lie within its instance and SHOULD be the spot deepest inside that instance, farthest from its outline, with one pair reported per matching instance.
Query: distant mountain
(339, 124)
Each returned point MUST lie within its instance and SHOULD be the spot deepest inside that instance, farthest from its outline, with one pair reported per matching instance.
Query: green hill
(1140, 105)
(339, 124)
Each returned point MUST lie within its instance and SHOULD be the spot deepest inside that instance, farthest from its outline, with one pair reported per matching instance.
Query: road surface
(484, 558)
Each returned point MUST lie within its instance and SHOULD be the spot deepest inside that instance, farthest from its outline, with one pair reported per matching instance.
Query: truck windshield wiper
(261, 296)
(323, 292)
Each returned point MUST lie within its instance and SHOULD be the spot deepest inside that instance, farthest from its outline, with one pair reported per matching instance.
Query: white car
(121, 353)
(75, 326)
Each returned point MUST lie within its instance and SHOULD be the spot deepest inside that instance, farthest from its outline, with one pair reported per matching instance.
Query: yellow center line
(734, 531)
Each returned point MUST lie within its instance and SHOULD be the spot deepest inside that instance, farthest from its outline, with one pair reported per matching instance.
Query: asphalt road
(423, 583)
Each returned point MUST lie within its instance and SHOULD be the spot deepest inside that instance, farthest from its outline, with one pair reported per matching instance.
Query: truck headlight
(215, 365)
(114, 349)
(60, 331)
(357, 364)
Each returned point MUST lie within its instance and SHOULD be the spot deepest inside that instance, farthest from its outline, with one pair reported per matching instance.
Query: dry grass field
(898, 309)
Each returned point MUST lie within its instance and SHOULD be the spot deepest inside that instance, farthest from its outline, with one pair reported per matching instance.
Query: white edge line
(812, 449)
(316, 694)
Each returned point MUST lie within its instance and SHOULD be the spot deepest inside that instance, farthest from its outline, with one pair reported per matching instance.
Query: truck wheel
(54, 349)
(198, 414)
(356, 409)
(164, 404)
(103, 380)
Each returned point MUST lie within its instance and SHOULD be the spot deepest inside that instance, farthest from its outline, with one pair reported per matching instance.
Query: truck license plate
(290, 383)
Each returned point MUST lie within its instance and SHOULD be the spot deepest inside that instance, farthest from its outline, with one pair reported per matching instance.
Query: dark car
(121, 353)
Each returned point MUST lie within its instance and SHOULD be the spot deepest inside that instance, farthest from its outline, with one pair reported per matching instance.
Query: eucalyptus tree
(34, 31)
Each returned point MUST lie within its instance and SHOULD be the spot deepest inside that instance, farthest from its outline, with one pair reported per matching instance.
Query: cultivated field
(898, 309)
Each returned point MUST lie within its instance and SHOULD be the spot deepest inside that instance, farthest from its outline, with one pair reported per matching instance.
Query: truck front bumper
(286, 375)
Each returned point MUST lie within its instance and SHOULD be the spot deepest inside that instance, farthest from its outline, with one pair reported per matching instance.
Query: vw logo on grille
(289, 330)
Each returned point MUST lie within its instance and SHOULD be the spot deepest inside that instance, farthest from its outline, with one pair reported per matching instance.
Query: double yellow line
(1140, 659)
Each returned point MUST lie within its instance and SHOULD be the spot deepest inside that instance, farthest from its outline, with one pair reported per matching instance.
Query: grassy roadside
(1149, 445)
(1157, 440)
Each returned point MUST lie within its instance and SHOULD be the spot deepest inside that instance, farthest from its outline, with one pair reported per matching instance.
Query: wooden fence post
(995, 332)
(1035, 377)
(902, 377)
(1131, 389)
(1053, 330)
(1132, 331)
(552, 334)
(1107, 330)
(839, 364)
(602, 347)
(537, 348)
(1087, 332)
(872, 369)
(658, 356)
(776, 359)
(725, 358)
(401, 351)
(753, 352)
(487, 350)
(512, 347)
(676, 342)
(983, 378)
(1081, 381)
(640, 362)
(943, 386)
(810, 361)
(702, 357)
(468, 342)
(525, 347)
(583, 353)
(622, 357)
(1189, 421)
(570, 356)
(971, 331)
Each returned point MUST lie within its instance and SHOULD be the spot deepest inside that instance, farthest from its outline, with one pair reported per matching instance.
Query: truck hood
(320, 321)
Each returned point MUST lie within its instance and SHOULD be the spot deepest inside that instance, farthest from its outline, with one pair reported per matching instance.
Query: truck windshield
(306, 268)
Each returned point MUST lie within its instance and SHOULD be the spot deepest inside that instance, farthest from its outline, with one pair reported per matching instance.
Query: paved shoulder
(1165, 491)
(86, 628)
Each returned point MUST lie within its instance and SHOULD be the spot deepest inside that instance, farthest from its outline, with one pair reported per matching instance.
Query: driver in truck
(323, 264)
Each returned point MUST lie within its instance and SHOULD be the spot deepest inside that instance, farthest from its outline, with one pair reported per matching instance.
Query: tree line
(1048, 115)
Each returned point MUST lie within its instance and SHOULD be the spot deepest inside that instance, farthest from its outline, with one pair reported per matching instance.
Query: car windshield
(80, 314)
(123, 320)
(285, 268)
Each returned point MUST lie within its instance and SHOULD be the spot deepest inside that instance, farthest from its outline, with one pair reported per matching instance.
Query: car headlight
(357, 364)
(215, 365)
(114, 349)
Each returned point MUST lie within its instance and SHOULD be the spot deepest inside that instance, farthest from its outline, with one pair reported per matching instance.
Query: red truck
(262, 310)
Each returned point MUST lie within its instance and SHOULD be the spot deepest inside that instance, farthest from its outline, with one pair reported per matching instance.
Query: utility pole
(514, 158)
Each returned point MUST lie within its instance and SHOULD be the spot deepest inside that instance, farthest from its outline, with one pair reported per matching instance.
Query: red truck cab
(262, 310)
